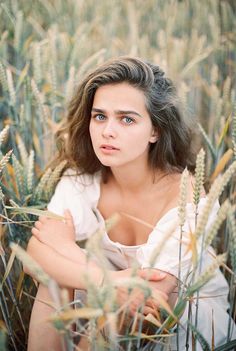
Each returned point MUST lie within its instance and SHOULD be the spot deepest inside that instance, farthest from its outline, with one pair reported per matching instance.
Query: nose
(109, 130)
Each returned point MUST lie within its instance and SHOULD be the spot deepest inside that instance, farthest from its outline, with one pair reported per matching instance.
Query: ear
(154, 136)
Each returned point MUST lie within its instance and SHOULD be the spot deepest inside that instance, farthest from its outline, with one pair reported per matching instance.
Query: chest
(138, 214)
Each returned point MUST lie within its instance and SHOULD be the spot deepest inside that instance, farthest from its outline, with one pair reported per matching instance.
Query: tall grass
(45, 49)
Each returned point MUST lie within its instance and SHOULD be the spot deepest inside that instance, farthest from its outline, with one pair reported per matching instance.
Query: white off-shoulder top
(80, 194)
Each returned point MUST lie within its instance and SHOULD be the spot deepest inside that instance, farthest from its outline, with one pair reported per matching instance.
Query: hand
(55, 233)
(135, 299)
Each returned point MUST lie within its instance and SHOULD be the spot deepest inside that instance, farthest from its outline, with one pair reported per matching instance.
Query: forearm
(73, 252)
(65, 271)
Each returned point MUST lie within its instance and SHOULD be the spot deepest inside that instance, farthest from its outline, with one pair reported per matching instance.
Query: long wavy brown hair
(175, 147)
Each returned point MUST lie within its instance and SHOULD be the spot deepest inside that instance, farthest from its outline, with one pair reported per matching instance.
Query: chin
(109, 163)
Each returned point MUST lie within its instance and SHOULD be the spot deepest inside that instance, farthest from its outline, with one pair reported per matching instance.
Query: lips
(108, 147)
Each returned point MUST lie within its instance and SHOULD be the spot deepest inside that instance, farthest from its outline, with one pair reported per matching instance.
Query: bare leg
(42, 335)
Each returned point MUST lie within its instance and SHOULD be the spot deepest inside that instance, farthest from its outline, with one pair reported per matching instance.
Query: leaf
(8, 192)
(222, 163)
(229, 346)
(192, 247)
(195, 60)
(178, 310)
(224, 131)
(8, 268)
(163, 304)
(29, 262)
(150, 318)
(150, 337)
(27, 42)
(200, 338)
(208, 142)
(36, 143)
(36, 212)
(19, 286)
(84, 312)
(3, 337)
(22, 76)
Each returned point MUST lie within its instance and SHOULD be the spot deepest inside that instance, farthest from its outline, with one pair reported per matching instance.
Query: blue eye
(99, 117)
(128, 120)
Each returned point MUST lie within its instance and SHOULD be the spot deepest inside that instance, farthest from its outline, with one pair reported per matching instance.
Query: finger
(38, 224)
(35, 232)
(135, 307)
(154, 305)
(69, 218)
(137, 302)
(151, 274)
(150, 302)
(146, 310)
(43, 219)
(121, 298)
(158, 295)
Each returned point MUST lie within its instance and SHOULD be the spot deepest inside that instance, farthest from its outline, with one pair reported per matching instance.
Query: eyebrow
(117, 112)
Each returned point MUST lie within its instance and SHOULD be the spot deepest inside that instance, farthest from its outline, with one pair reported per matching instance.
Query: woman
(127, 145)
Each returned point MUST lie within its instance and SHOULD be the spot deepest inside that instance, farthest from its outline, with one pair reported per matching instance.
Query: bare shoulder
(173, 182)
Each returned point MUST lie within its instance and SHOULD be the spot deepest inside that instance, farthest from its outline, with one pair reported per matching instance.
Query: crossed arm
(53, 246)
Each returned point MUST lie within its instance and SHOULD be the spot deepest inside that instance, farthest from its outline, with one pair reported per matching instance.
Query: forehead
(119, 96)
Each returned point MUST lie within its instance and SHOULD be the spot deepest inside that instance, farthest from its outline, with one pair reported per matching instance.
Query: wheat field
(46, 46)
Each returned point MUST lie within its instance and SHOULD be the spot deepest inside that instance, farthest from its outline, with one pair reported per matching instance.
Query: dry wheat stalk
(3, 134)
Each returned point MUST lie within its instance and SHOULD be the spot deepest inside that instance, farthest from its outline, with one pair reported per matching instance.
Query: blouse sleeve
(163, 246)
(71, 193)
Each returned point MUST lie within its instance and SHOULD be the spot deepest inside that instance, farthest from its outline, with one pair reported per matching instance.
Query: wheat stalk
(1, 198)
(40, 99)
(5, 160)
(32, 265)
(199, 176)
(40, 189)
(234, 131)
(54, 177)
(7, 11)
(11, 88)
(226, 89)
(207, 274)
(53, 78)
(22, 149)
(208, 141)
(232, 245)
(70, 84)
(37, 63)
(183, 197)
(52, 33)
(214, 74)
(30, 171)
(3, 78)
(18, 30)
(3, 134)
(221, 216)
(19, 171)
(15, 205)
(214, 193)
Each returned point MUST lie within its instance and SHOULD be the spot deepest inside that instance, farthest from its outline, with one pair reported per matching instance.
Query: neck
(130, 179)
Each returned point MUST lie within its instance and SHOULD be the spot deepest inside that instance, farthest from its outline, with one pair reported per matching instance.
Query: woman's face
(120, 126)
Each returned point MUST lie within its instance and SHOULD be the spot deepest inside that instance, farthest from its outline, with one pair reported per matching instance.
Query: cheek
(140, 135)
(91, 131)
